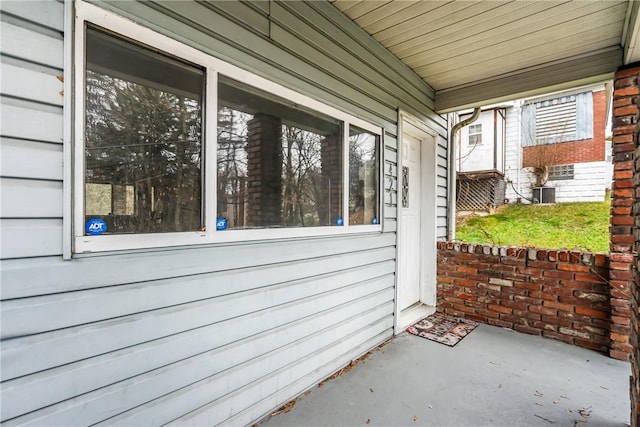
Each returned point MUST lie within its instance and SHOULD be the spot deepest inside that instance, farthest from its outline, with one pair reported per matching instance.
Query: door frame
(409, 124)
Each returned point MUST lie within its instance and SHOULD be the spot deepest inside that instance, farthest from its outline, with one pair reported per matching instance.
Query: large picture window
(176, 147)
(279, 165)
(143, 138)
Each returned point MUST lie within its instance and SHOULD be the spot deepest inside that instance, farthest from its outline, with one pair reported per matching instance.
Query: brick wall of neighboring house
(625, 212)
(562, 295)
(583, 151)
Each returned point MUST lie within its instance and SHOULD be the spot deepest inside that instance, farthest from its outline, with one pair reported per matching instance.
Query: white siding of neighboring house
(208, 334)
(479, 157)
(588, 185)
(608, 160)
(517, 179)
(591, 179)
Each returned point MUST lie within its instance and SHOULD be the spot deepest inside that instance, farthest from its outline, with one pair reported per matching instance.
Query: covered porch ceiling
(474, 53)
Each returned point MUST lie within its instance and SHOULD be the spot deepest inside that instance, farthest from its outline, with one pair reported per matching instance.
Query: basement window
(561, 172)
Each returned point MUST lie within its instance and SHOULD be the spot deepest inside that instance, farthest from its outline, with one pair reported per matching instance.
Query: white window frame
(91, 14)
(470, 134)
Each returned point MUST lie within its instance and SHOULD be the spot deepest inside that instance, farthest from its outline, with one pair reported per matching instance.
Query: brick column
(625, 224)
(330, 206)
(264, 171)
(622, 199)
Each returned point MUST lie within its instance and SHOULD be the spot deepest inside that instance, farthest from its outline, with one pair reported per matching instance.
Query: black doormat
(443, 329)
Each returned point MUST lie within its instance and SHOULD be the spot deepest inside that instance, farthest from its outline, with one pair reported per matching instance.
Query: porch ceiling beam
(558, 75)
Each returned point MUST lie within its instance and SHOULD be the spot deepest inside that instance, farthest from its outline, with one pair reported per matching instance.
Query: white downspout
(451, 199)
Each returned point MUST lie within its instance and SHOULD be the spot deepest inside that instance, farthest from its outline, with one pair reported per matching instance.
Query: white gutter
(451, 199)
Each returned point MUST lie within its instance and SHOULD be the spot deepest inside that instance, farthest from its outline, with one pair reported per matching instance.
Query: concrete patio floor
(493, 377)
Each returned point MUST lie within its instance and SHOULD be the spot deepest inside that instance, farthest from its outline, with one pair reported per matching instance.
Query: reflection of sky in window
(364, 144)
(304, 146)
(232, 141)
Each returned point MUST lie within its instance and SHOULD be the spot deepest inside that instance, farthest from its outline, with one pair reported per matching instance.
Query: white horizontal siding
(292, 364)
(46, 13)
(477, 157)
(31, 120)
(31, 44)
(281, 394)
(40, 84)
(41, 47)
(66, 310)
(513, 156)
(46, 276)
(89, 374)
(589, 183)
(38, 199)
(298, 370)
(90, 409)
(30, 159)
(27, 238)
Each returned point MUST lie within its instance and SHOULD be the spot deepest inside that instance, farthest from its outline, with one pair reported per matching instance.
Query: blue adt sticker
(221, 224)
(339, 221)
(96, 226)
(374, 221)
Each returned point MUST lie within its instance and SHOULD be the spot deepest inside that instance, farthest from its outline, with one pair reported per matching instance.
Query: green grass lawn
(575, 226)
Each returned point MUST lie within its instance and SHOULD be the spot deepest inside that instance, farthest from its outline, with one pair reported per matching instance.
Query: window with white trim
(176, 147)
(475, 134)
(279, 165)
(143, 138)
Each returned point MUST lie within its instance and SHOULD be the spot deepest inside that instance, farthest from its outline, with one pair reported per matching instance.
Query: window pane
(475, 139)
(278, 165)
(143, 138)
(561, 172)
(475, 134)
(473, 129)
(363, 176)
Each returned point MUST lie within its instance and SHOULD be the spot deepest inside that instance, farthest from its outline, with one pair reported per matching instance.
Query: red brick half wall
(563, 295)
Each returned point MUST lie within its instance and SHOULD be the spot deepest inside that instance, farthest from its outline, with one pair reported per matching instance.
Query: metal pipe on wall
(451, 199)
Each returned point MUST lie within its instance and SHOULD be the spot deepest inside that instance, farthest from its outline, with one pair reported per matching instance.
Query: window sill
(103, 244)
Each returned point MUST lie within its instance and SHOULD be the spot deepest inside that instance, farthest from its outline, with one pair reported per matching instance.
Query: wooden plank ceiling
(477, 52)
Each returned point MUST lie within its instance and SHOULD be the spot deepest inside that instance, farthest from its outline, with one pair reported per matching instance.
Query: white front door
(410, 225)
(416, 262)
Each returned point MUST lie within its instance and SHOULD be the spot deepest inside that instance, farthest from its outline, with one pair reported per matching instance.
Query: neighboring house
(545, 149)
(558, 152)
(198, 216)
(480, 161)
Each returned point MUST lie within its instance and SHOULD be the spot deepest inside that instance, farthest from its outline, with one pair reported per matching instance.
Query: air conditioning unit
(544, 195)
